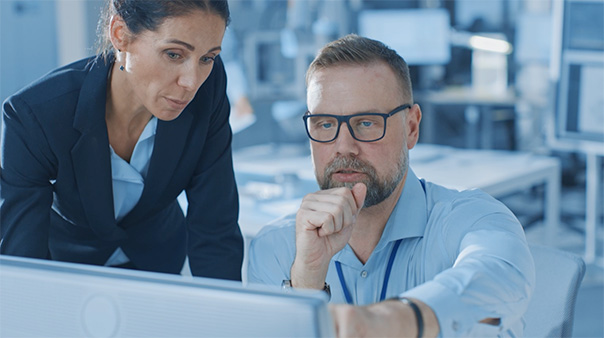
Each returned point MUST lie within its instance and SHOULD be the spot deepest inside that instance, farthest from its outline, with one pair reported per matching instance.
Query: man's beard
(377, 189)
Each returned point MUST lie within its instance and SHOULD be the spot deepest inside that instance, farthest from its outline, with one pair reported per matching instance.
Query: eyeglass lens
(364, 127)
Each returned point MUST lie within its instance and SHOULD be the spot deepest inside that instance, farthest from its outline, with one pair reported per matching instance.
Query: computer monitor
(40, 298)
(420, 36)
(578, 62)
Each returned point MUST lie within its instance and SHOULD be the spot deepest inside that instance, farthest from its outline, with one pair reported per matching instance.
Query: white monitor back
(420, 36)
(56, 299)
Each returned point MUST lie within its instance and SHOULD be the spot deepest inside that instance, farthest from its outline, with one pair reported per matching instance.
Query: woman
(95, 153)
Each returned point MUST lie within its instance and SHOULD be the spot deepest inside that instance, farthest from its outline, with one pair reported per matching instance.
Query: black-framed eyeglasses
(364, 127)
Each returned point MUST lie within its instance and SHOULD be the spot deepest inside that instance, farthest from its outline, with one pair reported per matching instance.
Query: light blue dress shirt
(464, 254)
(129, 180)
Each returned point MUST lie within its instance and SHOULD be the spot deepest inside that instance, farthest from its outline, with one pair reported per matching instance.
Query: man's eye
(326, 125)
(366, 123)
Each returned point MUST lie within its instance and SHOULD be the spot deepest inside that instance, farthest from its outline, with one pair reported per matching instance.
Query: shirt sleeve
(492, 275)
(272, 252)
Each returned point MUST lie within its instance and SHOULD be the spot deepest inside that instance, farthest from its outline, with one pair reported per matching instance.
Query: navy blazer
(56, 183)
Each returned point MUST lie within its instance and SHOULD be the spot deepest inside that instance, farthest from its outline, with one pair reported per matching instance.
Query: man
(419, 259)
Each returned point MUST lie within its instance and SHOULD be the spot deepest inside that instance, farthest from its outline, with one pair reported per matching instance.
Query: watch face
(286, 284)
(327, 289)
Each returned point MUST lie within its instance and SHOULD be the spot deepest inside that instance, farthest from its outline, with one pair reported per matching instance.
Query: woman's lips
(177, 104)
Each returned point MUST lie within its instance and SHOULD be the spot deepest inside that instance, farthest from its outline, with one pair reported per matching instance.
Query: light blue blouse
(129, 180)
(462, 253)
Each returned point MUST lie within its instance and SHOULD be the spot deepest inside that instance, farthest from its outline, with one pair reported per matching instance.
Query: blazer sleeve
(25, 185)
(215, 243)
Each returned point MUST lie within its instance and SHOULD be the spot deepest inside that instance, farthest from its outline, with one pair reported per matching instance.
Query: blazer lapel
(91, 156)
(170, 141)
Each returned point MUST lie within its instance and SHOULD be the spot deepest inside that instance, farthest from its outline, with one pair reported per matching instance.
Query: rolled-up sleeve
(493, 276)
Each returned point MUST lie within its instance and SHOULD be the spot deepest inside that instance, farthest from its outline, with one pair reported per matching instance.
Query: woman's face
(165, 68)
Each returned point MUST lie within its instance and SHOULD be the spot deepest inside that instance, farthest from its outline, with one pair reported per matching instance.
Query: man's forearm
(391, 318)
(398, 312)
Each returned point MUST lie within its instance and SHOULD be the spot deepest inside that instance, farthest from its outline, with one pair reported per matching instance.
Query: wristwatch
(287, 285)
(418, 313)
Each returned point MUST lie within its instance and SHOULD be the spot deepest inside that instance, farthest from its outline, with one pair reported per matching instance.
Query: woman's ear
(118, 33)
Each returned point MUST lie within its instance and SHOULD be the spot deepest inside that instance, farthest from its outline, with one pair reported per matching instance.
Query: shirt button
(455, 326)
(364, 274)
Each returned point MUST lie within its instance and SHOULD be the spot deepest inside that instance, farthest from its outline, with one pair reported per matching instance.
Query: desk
(478, 113)
(496, 172)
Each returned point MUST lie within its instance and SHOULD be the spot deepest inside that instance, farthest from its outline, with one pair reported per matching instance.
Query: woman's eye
(173, 56)
(207, 59)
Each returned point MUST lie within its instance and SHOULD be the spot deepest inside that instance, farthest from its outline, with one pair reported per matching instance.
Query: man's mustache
(348, 163)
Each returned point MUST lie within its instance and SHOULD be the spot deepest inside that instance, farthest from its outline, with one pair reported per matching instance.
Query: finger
(330, 202)
(343, 192)
(313, 220)
(349, 204)
(359, 191)
(344, 233)
(341, 205)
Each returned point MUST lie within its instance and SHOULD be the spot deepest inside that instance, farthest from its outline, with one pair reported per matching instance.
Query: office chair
(552, 308)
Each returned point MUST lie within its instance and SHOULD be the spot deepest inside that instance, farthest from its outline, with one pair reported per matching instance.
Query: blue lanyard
(386, 275)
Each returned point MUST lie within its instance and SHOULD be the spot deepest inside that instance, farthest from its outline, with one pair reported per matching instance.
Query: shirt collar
(149, 130)
(136, 170)
(409, 217)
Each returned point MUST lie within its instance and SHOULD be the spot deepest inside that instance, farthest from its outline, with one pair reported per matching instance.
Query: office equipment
(580, 109)
(531, 46)
(489, 65)
(577, 71)
(489, 14)
(420, 36)
(479, 113)
(552, 307)
(271, 75)
(578, 59)
(41, 298)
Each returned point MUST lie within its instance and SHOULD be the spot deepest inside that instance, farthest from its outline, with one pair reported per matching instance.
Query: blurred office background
(494, 78)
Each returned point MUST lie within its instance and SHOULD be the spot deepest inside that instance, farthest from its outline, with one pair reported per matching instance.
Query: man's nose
(345, 143)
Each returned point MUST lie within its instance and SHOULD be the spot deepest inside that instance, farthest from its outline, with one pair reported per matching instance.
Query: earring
(122, 68)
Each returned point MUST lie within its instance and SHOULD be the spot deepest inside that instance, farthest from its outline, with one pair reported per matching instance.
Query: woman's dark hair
(141, 15)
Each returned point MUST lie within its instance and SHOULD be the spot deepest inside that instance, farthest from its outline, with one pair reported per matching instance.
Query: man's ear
(413, 118)
(118, 33)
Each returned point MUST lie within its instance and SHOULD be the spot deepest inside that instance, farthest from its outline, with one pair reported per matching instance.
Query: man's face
(381, 165)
